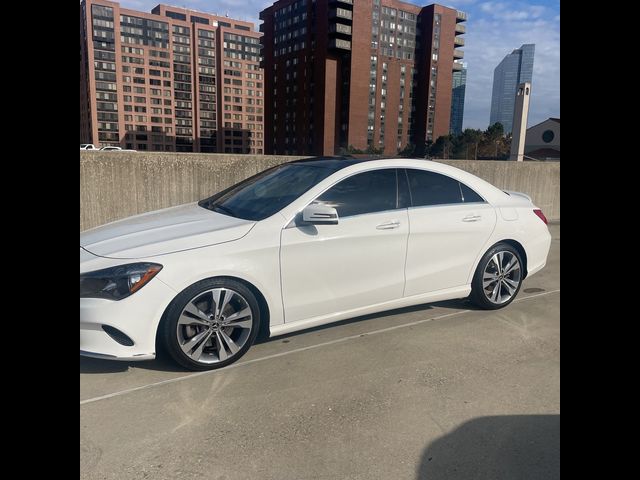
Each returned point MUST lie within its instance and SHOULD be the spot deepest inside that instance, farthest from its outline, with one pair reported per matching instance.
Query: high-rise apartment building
(514, 69)
(367, 74)
(457, 100)
(171, 80)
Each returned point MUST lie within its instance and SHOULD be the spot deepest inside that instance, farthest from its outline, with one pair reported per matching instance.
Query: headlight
(119, 282)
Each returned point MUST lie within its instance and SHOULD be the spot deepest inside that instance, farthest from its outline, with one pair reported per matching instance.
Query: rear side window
(429, 188)
(468, 195)
(366, 192)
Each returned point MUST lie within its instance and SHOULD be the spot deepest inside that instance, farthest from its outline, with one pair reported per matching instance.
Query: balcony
(458, 42)
(340, 28)
(348, 2)
(460, 29)
(340, 44)
(261, 27)
(457, 67)
(342, 13)
(458, 54)
(461, 16)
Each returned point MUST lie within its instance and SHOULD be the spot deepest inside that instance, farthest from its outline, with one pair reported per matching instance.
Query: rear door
(449, 225)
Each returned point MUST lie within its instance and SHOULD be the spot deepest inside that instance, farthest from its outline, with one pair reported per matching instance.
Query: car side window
(430, 188)
(469, 195)
(366, 192)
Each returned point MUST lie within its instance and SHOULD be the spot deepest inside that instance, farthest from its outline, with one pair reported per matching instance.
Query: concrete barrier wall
(115, 185)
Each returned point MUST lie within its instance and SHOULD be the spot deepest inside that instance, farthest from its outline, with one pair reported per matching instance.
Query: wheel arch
(518, 246)
(509, 241)
(265, 314)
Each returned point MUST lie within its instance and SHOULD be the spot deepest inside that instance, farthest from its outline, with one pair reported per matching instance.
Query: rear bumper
(537, 253)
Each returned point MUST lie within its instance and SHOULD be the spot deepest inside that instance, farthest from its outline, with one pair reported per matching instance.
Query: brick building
(171, 80)
(368, 74)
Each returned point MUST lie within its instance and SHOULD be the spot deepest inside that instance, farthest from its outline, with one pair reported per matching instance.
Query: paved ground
(468, 394)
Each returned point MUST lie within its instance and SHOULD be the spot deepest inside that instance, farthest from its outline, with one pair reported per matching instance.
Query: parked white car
(300, 245)
(87, 146)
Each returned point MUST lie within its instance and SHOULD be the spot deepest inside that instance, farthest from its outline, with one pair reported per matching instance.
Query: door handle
(471, 218)
(388, 225)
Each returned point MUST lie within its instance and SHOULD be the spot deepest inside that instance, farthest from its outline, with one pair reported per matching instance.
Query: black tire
(168, 329)
(479, 295)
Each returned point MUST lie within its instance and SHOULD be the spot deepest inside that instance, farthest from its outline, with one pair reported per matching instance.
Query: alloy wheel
(214, 325)
(501, 277)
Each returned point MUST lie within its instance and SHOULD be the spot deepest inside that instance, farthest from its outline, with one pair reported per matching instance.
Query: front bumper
(136, 316)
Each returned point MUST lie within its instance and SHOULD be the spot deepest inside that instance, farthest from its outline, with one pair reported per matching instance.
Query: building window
(548, 136)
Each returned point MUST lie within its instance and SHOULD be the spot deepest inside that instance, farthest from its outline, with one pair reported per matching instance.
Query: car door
(449, 225)
(359, 262)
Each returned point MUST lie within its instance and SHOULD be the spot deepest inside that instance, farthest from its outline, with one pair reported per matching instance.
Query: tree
(494, 132)
(408, 150)
(448, 142)
(473, 137)
(374, 151)
(352, 149)
(427, 149)
(436, 149)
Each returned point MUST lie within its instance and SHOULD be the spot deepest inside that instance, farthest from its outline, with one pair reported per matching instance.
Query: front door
(359, 262)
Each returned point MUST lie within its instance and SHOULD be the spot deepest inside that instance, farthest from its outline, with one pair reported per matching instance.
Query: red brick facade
(334, 72)
(174, 79)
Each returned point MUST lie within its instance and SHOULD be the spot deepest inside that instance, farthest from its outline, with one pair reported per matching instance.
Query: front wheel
(210, 324)
(498, 277)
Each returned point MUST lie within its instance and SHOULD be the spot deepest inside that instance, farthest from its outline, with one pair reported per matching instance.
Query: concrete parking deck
(431, 392)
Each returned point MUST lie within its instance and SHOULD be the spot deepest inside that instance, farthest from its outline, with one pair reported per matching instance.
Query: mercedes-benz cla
(299, 245)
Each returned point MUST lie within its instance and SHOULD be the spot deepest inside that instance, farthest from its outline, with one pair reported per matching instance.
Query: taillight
(540, 215)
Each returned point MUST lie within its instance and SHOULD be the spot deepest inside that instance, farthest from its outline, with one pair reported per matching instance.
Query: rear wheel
(498, 277)
(211, 324)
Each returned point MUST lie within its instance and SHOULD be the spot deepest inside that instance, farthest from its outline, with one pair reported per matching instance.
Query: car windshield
(268, 192)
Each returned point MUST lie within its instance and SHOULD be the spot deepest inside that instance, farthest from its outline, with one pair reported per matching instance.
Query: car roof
(333, 163)
(487, 190)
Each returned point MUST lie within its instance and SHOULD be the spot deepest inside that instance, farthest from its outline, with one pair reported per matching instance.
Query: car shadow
(457, 304)
(97, 365)
(496, 448)
(348, 321)
(164, 363)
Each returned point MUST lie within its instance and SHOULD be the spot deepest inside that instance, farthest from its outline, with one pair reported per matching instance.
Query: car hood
(164, 231)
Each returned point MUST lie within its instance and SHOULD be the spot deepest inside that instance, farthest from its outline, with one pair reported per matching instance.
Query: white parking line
(296, 350)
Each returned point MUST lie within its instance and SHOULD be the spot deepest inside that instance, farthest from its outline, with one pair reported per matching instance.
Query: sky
(494, 29)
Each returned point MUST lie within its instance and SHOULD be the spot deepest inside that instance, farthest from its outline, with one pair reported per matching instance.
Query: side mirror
(319, 214)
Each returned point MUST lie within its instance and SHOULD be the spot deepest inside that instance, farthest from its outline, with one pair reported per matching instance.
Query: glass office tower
(459, 84)
(515, 68)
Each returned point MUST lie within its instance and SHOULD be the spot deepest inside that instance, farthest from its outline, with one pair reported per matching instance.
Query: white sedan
(299, 245)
